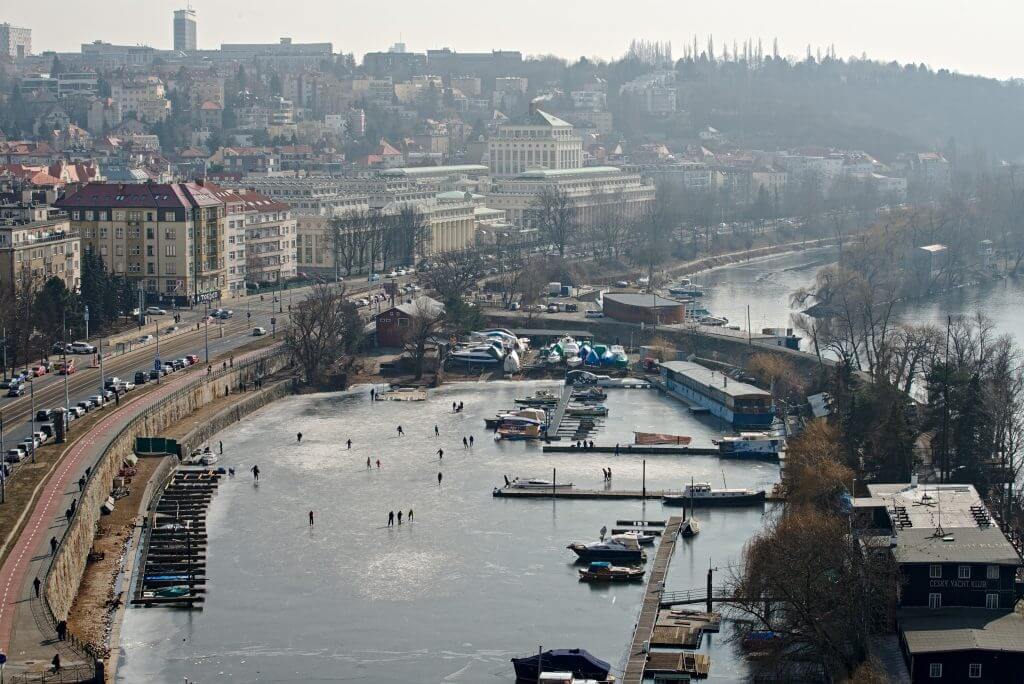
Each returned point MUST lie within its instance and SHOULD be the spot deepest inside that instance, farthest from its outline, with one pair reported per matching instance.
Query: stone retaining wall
(69, 562)
(232, 414)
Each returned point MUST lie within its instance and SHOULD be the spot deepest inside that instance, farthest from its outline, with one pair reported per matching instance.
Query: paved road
(23, 635)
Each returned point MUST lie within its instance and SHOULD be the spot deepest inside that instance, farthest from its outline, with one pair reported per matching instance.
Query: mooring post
(553, 481)
(643, 486)
(709, 590)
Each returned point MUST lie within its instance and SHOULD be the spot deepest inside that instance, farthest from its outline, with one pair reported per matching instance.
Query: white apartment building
(235, 215)
(541, 141)
(144, 96)
(270, 239)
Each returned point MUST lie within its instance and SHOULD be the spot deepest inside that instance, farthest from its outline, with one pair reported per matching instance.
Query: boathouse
(739, 403)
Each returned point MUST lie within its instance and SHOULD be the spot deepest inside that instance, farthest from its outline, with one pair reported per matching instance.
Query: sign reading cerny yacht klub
(957, 584)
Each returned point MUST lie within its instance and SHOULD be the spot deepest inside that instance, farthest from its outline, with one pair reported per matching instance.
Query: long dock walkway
(513, 493)
(559, 413)
(634, 672)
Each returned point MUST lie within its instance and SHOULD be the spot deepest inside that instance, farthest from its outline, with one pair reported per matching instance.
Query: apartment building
(170, 237)
(15, 41)
(144, 96)
(541, 140)
(270, 239)
(36, 246)
(235, 217)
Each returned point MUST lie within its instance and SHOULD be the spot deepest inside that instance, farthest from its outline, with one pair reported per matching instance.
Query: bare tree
(411, 233)
(425, 321)
(454, 273)
(324, 326)
(609, 230)
(553, 214)
(805, 578)
(653, 234)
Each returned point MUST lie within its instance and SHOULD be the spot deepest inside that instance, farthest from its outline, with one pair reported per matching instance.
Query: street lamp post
(206, 334)
(32, 399)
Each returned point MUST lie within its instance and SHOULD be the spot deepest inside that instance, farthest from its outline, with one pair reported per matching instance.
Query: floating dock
(173, 559)
(641, 659)
(656, 450)
(558, 415)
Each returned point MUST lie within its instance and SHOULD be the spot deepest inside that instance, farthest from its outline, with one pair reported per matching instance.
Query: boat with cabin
(527, 423)
(603, 571)
(478, 355)
(540, 398)
(750, 445)
(625, 549)
(703, 495)
(586, 410)
(642, 538)
(537, 484)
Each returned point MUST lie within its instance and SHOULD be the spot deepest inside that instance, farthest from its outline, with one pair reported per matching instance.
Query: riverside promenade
(27, 635)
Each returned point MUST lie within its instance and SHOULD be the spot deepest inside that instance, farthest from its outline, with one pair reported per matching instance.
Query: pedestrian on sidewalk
(35, 585)
(62, 630)
(56, 662)
(378, 464)
(225, 366)
(81, 483)
(401, 433)
(53, 545)
(220, 445)
(465, 443)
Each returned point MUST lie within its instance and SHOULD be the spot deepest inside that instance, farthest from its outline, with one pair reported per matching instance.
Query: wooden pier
(640, 646)
(559, 413)
(174, 553)
(655, 450)
(622, 494)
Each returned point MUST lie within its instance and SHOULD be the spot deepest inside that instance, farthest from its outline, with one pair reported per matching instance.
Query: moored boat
(642, 538)
(750, 445)
(586, 410)
(536, 484)
(575, 660)
(613, 549)
(704, 495)
(603, 571)
(527, 423)
(660, 438)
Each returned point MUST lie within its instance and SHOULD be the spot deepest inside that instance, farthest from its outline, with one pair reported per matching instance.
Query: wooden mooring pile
(174, 554)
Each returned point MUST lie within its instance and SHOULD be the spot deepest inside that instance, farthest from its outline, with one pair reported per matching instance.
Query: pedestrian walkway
(26, 632)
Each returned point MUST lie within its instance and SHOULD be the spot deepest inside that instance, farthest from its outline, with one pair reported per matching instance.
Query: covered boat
(603, 571)
(660, 438)
(754, 445)
(511, 365)
(527, 423)
(586, 410)
(575, 660)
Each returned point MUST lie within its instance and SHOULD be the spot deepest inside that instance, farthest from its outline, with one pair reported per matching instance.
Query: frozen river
(474, 581)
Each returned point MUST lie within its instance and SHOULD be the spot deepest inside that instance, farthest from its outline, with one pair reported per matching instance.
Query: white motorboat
(574, 362)
(642, 538)
(569, 346)
(714, 321)
(536, 484)
(553, 358)
(209, 458)
(586, 410)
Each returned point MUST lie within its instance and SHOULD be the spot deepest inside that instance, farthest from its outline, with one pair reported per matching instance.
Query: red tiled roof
(255, 201)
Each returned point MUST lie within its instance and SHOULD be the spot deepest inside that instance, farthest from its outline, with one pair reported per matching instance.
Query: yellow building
(170, 237)
(36, 249)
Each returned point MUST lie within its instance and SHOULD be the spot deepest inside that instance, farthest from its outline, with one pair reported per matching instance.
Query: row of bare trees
(362, 239)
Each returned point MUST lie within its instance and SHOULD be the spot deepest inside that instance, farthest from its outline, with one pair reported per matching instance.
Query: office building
(185, 30)
(14, 41)
(540, 141)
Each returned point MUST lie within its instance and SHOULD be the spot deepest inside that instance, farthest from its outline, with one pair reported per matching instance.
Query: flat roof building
(185, 30)
(633, 307)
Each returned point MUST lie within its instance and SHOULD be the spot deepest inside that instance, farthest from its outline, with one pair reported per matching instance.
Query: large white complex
(542, 141)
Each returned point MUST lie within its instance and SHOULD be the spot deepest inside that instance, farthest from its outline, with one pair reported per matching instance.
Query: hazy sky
(971, 36)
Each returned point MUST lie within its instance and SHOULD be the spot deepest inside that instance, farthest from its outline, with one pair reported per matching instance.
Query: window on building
(935, 571)
(119, 233)
(134, 232)
(168, 216)
(992, 572)
(170, 250)
(992, 601)
(149, 216)
(150, 268)
(963, 572)
(935, 670)
(103, 232)
(170, 268)
(934, 600)
(89, 215)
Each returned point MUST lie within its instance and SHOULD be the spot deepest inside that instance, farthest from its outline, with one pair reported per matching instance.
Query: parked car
(42, 415)
(15, 454)
(111, 382)
(66, 368)
(155, 374)
(16, 390)
(258, 331)
(155, 311)
(145, 339)
(78, 411)
(171, 328)
(169, 368)
(48, 429)
(60, 348)
(97, 400)
(84, 406)
(108, 395)
(192, 359)
(552, 308)
(593, 313)
(178, 364)
(82, 348)
(38, 371)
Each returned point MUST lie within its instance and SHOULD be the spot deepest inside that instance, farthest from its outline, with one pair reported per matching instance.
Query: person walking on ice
(439, 476)
(311, 518)
(256, 472)
(367, 462)
(400, 432)
(399, 517)
(440, 454)
(298, 438)
(391, 519)
(437, 433)
(349, 442)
